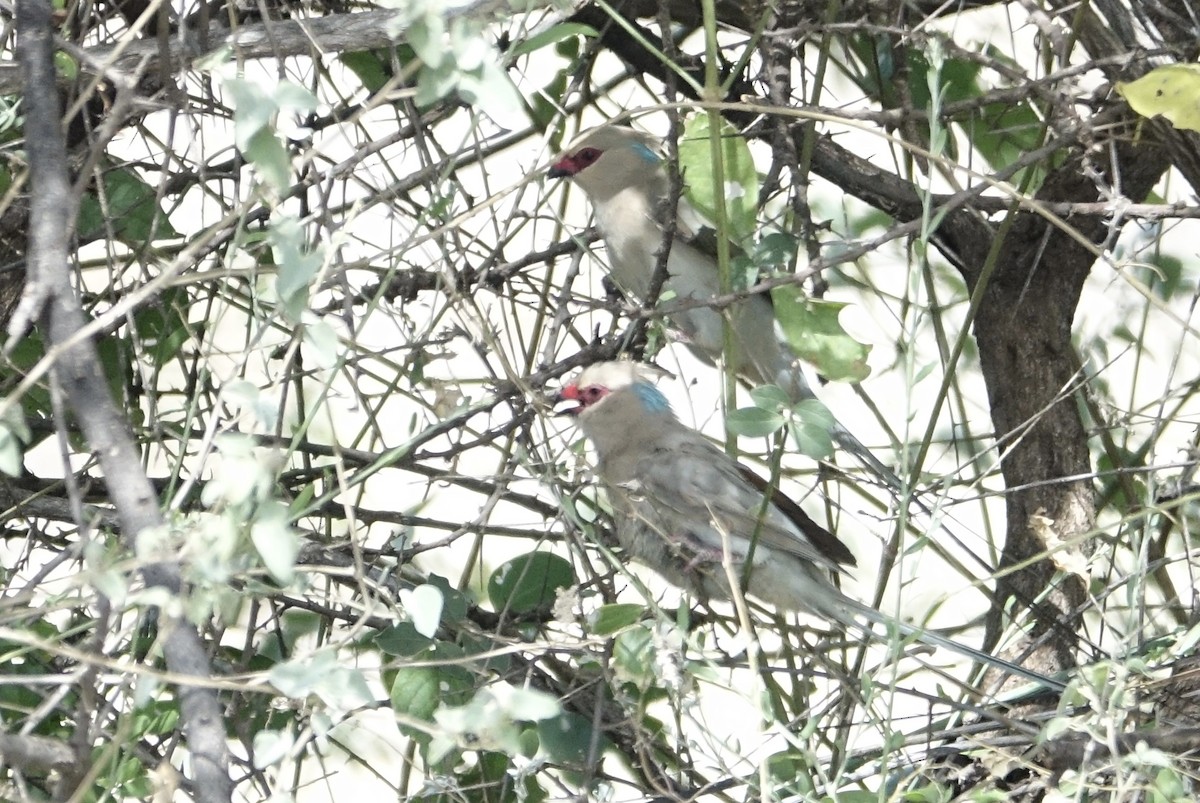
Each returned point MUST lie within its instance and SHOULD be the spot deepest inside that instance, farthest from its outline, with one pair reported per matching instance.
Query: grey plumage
(680, 502)
(620, 171)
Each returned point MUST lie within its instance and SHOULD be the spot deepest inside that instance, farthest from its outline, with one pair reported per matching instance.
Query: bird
(621, 172)
(685, 508)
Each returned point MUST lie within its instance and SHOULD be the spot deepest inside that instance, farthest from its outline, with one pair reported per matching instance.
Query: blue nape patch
(643, 150)
(651, 397)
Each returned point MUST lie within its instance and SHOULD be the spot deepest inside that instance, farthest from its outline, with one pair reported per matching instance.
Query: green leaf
(246, 397)
(322, 341)
(1172, 90)
(1003, 132)
(294, 625)
(1168, 785)
(855, 796)
(24, 355)
(115, 353)
(427, 37)
(496, 773)
(958, 79)
(289, 96)
(270, 159)
(298, 677)
(989, 796)
(740, 187)
(14, 433)
(770, 397)
(552, 35)
(271, 747)
(812, 426)
(129, 208)
(525, 704)
(609, 619)
(568, 738)
(754, 422)
(1164, 275)
(454, 603)
(344, 688)
(275, 541)
(373, 67)
(415, 692)
(243, 479)
(253, 109)
(162, 326)
(544, 105)
(774, 251)
(529, 582)
(156, 718)
(297, 264)
(435, 83)
(402, 640)
(66, 66)
(786, 767)
(486, 721)
(633, 657)
(812, 330)
(490, 88)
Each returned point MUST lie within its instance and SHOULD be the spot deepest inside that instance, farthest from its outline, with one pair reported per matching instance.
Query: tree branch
(77, 370)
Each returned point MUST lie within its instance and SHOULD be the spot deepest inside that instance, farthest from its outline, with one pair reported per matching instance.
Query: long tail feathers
(861, 453)
(849, 611)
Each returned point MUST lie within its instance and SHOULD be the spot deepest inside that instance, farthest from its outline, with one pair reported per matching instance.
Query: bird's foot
(697, 552)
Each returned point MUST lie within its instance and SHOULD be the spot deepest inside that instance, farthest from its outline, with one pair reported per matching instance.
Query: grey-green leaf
(529, 582)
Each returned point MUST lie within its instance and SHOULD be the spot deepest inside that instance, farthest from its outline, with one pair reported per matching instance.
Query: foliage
(331, 292)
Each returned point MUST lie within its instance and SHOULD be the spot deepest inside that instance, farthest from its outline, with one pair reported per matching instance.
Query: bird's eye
(586, 156)
(592, 394)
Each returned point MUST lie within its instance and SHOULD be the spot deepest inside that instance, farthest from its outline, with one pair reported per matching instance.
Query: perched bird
(680, 503)
(621, 172)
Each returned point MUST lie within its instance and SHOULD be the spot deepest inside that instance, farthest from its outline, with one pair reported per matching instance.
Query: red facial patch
(583, 397)
(573, 163)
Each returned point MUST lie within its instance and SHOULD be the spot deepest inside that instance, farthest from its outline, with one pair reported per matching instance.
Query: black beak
(565, 405)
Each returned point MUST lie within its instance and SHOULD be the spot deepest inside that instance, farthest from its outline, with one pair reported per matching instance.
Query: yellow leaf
(1172, 91)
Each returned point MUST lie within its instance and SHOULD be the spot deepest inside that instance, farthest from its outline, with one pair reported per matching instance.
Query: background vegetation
(288, 516)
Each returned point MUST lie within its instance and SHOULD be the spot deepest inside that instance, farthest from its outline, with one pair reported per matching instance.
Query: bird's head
(608, 385)
(607, 159)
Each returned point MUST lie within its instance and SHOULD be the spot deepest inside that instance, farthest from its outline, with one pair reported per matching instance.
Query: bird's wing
(700, 233)
(699, 494)
(822, 538)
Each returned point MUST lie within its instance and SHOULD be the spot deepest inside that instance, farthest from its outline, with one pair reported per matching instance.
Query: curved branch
(77, 370)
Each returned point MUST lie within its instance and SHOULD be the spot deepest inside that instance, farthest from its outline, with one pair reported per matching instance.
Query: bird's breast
(633, 239)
